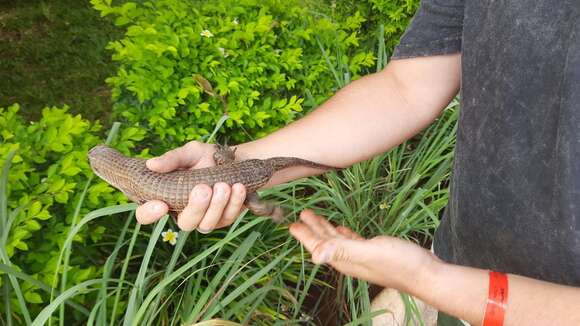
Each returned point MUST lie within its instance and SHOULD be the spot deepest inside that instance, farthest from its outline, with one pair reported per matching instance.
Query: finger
(347, 232)
(340, 252)
(151, 211)
(199, 200)
(312, 241)
(181, 157)
(235, 205)
(219, 200)
(336, 251)
(222, 224)
(317, 223)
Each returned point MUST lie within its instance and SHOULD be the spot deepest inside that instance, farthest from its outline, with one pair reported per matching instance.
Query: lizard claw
(278, 215)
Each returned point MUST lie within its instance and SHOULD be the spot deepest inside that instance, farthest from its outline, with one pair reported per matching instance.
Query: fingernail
(203, 231)
(219, 191)
(155, 208)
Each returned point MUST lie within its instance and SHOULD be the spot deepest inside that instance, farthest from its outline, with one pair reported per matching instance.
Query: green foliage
(259, 59)
(48, 174)
(393, 15)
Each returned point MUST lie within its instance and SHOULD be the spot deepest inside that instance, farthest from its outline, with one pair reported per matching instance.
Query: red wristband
(497, 299)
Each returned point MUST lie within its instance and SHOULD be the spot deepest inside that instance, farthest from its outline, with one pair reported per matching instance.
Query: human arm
(367, 117)
(457, 290)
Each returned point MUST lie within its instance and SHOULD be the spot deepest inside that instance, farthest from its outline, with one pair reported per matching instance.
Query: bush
(259, 59)
(393, 15)
(47, 179)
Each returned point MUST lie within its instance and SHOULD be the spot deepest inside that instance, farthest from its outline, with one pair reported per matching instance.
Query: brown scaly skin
(139, 184)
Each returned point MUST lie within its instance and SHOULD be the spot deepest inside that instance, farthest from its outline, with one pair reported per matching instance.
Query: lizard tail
(279, 163)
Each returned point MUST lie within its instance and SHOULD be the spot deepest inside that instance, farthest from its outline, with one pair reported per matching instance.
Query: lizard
(139, 184)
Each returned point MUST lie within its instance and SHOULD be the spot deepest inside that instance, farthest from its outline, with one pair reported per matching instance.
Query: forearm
(462, 292)
(367, 117)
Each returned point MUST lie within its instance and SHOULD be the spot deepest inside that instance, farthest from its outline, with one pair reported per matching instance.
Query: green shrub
(393, 15)
(260, 58)
(46, 181)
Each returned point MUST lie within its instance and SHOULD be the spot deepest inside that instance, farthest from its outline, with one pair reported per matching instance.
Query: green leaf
(61, 197)
(33, 297)
(21, 245)
(32, 225)
(34, 209)
(56, 185)
(43, 215)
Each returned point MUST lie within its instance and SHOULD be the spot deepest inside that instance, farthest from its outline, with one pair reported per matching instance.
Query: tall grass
(399, 193)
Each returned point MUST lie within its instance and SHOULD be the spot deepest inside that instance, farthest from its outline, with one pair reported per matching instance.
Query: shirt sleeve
(436, 29)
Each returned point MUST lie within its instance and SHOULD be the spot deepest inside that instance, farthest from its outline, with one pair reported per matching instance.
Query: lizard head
(100, 157)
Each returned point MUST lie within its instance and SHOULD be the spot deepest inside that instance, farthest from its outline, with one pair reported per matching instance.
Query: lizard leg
(224, 154)
(264, 208)
(173, 215)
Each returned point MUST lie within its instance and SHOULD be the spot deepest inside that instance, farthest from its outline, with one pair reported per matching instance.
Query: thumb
(162, 164)
(181, 157)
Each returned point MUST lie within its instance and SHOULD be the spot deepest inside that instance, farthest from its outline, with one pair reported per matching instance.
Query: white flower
(170, 236)
(235, 21)
(223, 52)
(206, 33)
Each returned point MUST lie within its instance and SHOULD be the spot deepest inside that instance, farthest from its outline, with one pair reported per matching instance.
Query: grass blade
(251, 281)
(82, 287)
(124, 271)
(187, 266)
(218, 126)
(203, 302)
(181, 240)
(111, 136)
(27, 278)
(368, 317)
(107, 270)
(139, 288)
(9, 279)
(4, 189)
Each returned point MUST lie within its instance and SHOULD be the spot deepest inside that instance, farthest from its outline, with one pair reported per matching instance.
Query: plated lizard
(139, 184)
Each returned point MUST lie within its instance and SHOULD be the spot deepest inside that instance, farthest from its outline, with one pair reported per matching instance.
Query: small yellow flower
(170, 236)
(383, 206)
(206, 33)
(235, 21)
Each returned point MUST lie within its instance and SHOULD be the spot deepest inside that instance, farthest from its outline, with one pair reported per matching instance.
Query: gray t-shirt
(515, 191)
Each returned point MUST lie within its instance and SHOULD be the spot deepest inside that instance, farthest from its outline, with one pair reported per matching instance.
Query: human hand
(207, 208)
(386, 261)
